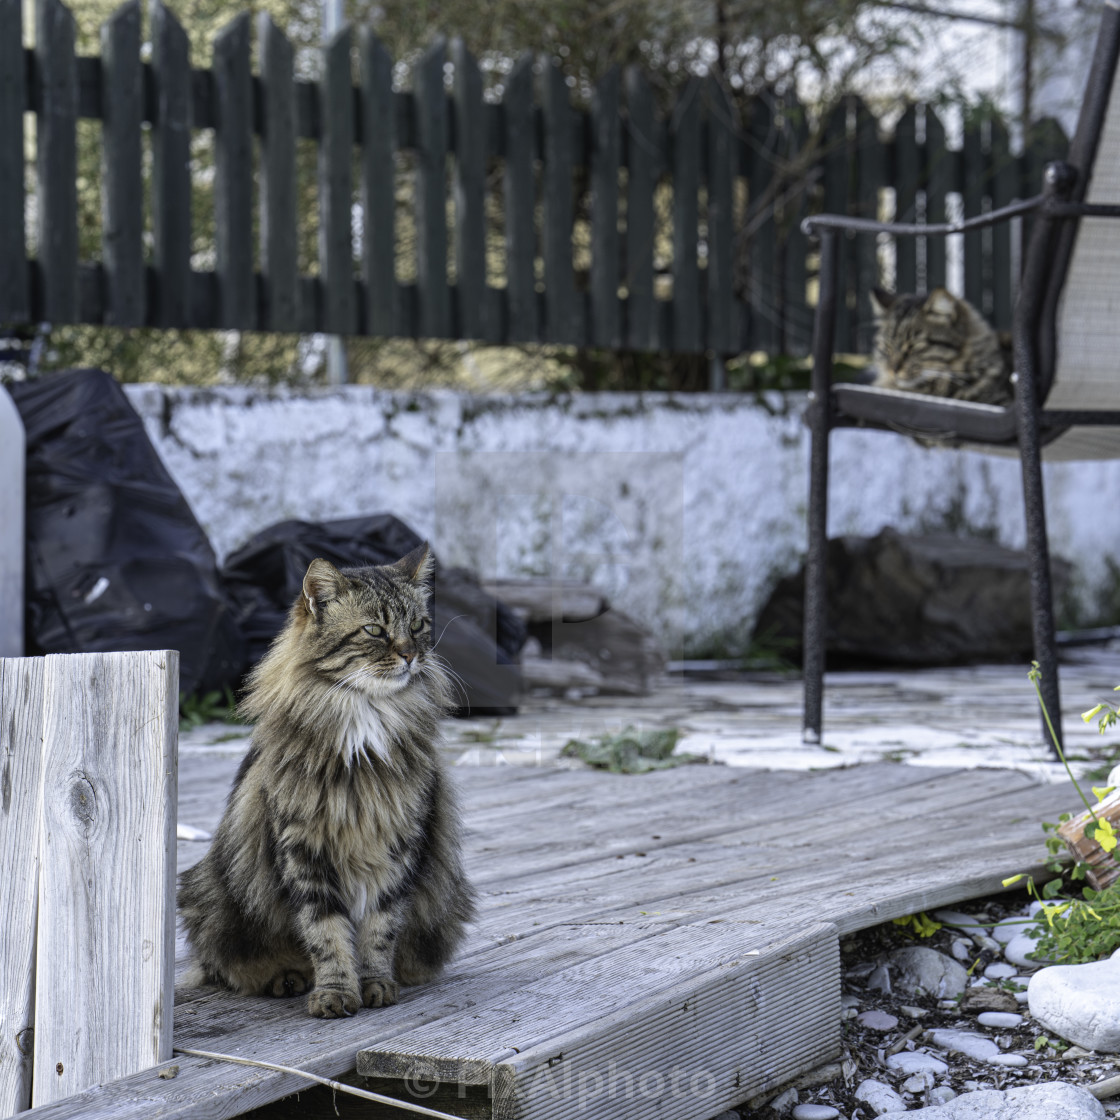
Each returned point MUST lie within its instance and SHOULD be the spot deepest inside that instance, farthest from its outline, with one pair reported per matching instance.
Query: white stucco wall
(686, 508)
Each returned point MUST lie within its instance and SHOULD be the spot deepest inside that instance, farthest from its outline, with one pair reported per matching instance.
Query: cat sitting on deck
(336, 866)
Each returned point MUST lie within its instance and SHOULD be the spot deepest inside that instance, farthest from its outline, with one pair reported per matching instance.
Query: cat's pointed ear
(881, 300)
(941, 303)
(322, 583)
(417, 566)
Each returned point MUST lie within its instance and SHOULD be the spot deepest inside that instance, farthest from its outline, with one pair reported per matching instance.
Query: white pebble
(783, 1102)
(879, 1097)
(961, 949)
(998, 970)
(941, 1094)
(954, 919)
(1008, 1060)
(999, 1019)
(1009, 929)
(815, 1112)
(877, 1021)
(918, 1083)
(969, 1043)
(916, 1061)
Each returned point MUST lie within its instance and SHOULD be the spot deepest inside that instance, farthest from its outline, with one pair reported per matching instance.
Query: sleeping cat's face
(918, 333)
(368, 629)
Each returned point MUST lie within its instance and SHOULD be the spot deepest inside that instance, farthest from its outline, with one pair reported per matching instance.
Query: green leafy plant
(207, 707)
(921, 925)
(1089, 926)
(630, 751)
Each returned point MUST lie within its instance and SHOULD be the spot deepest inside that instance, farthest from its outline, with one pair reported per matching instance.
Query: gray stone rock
(968, 1043)
(942, 1094)
(1080, 1002)
(916, 1061)
(918, 969)
(1054, 1100)
(1002, 1020)
(879, 1097)
(784, 1102)
(918, 1083)
(880, 980)
(877, 1021)
(914, 600)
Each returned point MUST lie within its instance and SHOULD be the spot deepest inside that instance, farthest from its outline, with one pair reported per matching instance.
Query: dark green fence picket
(735, 176)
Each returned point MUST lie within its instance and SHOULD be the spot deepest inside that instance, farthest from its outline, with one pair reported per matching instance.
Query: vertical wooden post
(520, 201)
(233, 182)
(606, 325)
(722, 130)
(561, 320)
(56, 145)
(122, 222)
(686, 202)
(379, 143)
(470, 194)
(15, 305)
(278, 177)
(106, 938)
(336, 152)
(938, 162)
(21, 701)
(644, 168)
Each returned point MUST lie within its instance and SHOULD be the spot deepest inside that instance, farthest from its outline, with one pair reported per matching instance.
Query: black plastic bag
(116, 559)
(477, 635)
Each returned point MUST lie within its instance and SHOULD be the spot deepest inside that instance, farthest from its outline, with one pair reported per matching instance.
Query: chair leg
(816, 568)
(1042, 596)
(816, 582)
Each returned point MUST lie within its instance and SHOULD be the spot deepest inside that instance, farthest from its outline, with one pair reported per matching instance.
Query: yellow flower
(1086, 716)
(1106, 835)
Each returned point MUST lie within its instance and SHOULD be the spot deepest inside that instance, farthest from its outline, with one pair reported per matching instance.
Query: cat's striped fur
(336, 866)
(940, 345)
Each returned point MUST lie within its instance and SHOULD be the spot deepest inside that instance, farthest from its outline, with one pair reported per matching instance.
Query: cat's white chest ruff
(363, 729)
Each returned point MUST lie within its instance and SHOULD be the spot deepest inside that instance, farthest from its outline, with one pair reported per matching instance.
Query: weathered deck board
(587, 922)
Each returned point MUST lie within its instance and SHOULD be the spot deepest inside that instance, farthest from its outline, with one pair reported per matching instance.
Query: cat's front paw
(380, 991)
(290, 982)
(332, 1003)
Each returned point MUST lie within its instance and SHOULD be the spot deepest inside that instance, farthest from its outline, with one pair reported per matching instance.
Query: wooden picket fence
(611, 226)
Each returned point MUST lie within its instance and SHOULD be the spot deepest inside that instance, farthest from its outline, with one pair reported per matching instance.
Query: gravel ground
(865, 1050)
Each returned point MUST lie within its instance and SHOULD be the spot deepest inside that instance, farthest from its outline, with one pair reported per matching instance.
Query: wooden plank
(561, 322)
(233, 181)
(907, 183)
(761, 155)
(685, 141)
(710, 1002)
(470, 189)
(105, 952)
(378, 138)
(56, 151)
(972, 195)
(1002, 183)
(336, 147)
(871, 172)
(431, 192)
(644, 166)
(796, 321)
(278, 178)
(21, 729)
(15, 298)
(122, 224)
(171, 178)
(520, 203)
(722, 132)
(838, 199)
(938, 165)
(606, 322)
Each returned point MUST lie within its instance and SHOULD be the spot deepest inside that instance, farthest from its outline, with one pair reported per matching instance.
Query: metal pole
(337, 371)
(816, 569)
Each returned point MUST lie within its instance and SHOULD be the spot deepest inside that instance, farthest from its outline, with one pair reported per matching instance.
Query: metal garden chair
(1066, 333)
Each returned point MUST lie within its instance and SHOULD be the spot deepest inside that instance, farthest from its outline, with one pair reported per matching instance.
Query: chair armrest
(844, 224)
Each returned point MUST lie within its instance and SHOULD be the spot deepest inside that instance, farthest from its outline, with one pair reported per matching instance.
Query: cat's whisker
(436, 643)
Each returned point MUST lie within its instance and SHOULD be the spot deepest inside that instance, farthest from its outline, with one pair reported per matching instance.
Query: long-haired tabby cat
(940, 345)
(336, 866)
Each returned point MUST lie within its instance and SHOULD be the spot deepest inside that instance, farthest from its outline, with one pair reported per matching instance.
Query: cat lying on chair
(939, 345)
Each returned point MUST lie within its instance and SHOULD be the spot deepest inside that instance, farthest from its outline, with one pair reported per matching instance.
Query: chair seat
(922, 415)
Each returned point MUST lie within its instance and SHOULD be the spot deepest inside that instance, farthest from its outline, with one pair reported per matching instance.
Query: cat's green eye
(373, 630)
(418, 625)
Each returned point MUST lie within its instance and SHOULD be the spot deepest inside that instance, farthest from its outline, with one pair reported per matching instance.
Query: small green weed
(630, 751)
(921, 925)
(207, 707)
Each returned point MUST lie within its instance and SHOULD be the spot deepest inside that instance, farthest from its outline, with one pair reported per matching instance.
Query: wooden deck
(658, 945)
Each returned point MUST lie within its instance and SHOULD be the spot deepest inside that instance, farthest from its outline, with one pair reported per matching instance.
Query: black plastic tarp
(116, 559)
(478, 636)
